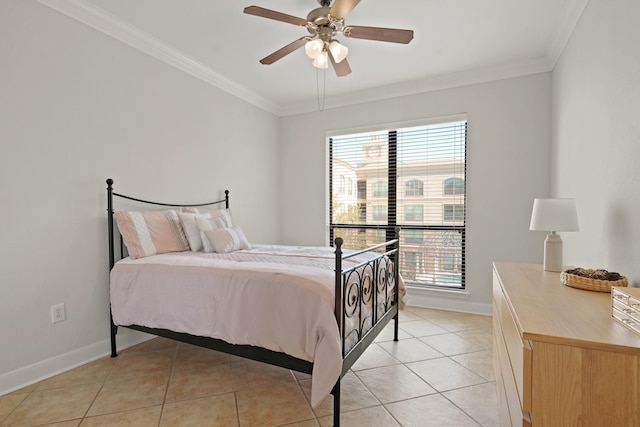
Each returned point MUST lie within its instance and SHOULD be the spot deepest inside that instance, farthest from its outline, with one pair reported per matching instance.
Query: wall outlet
(58, 313)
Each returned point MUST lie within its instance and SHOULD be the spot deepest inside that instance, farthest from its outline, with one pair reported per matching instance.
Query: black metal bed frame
(353, 290)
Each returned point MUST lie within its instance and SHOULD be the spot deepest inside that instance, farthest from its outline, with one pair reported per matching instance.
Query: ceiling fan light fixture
(338, 51)
(314, 48)
(322, 60)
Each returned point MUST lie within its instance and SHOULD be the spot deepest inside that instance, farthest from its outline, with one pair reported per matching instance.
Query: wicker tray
(591, 284)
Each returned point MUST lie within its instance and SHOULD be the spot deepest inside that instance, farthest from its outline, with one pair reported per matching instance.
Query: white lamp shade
(313, 48)
(554, 215)
(338, 51)
(322, 60)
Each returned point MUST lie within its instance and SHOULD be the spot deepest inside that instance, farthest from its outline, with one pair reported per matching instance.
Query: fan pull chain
(324, 86)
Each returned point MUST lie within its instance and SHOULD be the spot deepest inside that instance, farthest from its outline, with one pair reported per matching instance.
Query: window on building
(453, 212)
(420, 173)
(362, 190)
(413, 237)
(413, 212)
(453, 186)
(414, 187)
(379, 213)
(380, 189)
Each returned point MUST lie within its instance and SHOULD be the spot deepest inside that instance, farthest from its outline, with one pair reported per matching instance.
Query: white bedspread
(276, 297)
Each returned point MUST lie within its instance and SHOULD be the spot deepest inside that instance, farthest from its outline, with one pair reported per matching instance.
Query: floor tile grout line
(17, 406)
(166, 390)
(461, 409)
(93, 401)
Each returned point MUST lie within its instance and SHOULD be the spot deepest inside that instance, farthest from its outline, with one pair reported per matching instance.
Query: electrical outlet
(58, 313)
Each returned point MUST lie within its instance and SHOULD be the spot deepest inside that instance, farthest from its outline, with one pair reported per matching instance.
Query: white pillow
(208, 224)
(223, 240)
(191, 230)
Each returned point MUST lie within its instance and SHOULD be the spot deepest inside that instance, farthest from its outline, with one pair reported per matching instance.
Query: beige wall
(508, 163)
(596, 136)
(77, 107)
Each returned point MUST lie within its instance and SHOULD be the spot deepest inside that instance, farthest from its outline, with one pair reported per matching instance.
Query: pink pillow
(147, 233)
(223, 240)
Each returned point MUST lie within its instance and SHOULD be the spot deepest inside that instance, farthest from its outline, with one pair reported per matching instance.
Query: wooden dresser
(560, 359)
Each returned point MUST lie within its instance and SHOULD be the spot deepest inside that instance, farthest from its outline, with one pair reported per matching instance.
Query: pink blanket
(275, 297)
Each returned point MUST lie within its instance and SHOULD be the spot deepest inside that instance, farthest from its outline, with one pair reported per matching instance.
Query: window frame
(393, 180)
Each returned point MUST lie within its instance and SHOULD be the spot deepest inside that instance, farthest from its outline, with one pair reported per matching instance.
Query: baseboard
(23, 377)
(444, 299)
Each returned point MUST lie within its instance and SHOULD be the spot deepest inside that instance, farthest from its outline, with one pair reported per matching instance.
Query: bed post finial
(109, 182)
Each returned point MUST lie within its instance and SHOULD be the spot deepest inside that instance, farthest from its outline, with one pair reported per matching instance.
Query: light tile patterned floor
(439, 374)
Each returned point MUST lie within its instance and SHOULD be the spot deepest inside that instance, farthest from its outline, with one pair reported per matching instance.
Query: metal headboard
(110, 196)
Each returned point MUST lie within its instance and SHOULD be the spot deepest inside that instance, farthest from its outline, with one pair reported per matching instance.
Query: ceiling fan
(324, 23)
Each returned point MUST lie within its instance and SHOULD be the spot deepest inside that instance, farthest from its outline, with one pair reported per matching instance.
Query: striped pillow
(147, 233)
(219, 219)
(223, 240)
(191, 230)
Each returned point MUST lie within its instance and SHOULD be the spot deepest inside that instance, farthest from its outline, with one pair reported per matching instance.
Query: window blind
(413, 177)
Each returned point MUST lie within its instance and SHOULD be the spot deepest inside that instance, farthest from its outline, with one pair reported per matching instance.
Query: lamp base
(553, 253)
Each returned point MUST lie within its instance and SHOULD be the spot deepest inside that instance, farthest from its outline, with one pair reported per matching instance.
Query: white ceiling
(455, 42)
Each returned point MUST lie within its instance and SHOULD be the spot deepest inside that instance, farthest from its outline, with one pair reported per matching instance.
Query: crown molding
(569, 22)
(110, 25)
(430, 84)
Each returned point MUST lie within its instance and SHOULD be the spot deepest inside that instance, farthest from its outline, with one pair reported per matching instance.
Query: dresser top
(547, 310)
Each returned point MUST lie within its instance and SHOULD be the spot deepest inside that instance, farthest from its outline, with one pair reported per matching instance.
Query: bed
(309, 309)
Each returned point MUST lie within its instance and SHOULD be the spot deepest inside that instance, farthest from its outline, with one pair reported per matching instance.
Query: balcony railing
(429, 255)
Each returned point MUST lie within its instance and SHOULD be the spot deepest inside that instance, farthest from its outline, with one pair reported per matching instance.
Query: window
(453, 212)
(362, 190)
(453, 186)
(379, 213)
(380, 189)
(412, 237)
(415, 188)
(415, 180)
(413, 212)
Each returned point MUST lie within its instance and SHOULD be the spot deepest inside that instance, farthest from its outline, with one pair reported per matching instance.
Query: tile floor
(439, 374)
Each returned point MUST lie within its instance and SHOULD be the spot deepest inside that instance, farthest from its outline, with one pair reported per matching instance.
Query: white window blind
(414, 178)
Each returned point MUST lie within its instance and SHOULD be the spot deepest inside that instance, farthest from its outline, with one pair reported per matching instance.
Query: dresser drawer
(515, 358)
(626, 307)
(519, 355)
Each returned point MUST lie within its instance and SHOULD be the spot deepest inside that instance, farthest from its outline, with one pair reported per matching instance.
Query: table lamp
(554, 215)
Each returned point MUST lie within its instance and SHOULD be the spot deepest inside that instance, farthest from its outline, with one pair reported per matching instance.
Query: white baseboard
(23, 377)
(445, 299)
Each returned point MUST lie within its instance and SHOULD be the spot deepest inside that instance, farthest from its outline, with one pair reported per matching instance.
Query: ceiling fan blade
(341, 68)
(282, 52)
(272, 14)
(393, 35)
(341, 8)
